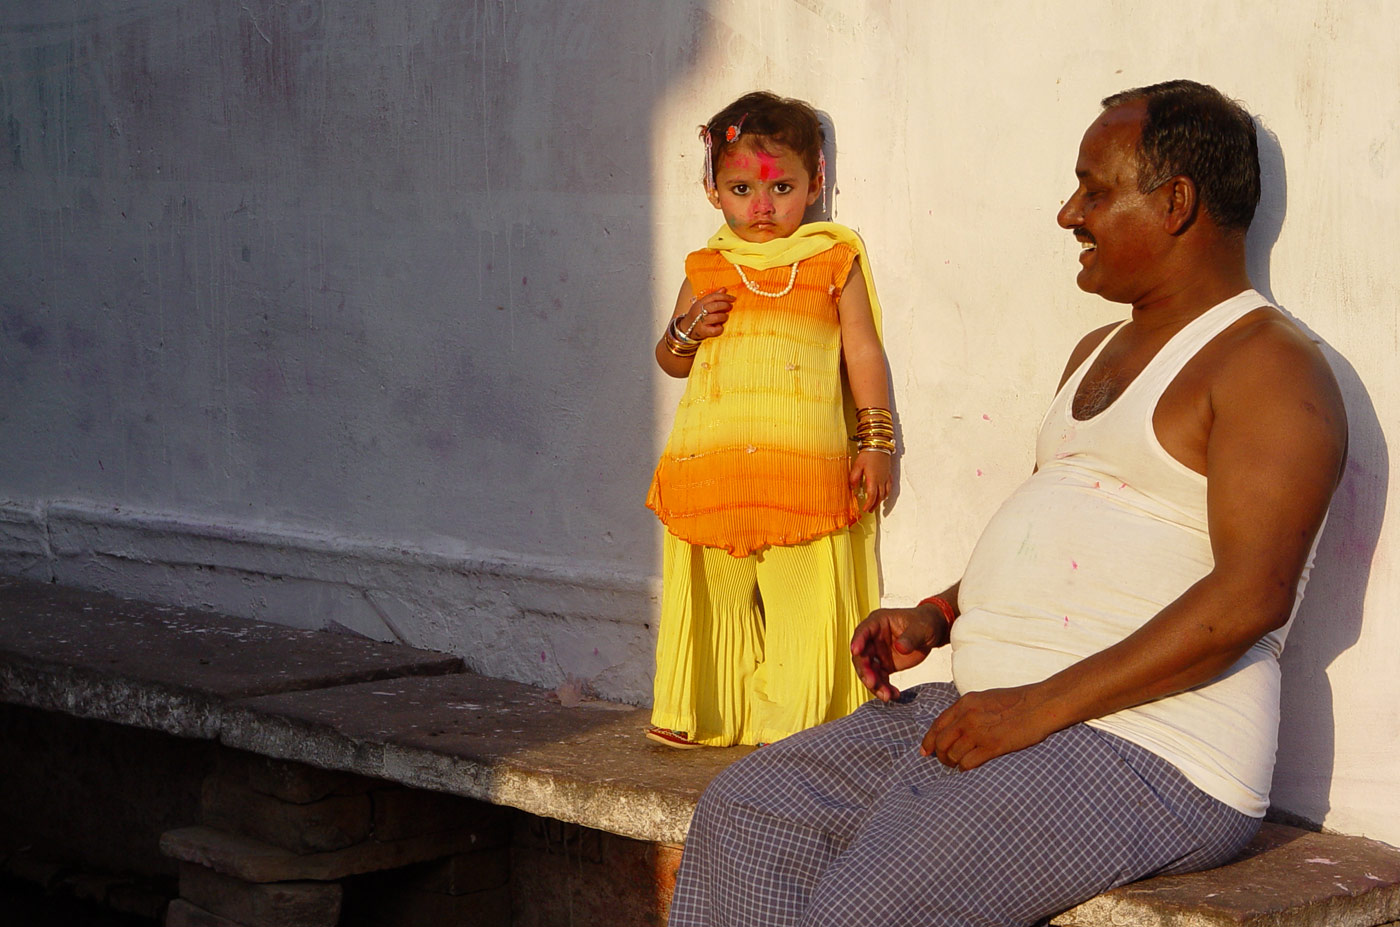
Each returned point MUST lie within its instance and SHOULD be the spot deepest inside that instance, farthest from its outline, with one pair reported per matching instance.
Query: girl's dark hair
(1196, 131)
(771, 120)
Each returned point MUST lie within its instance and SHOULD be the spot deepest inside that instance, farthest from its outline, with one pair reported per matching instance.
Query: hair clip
(734, 131)
(709, 157)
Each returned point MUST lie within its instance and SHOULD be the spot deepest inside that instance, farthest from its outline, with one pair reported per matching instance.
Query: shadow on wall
(1329, 621)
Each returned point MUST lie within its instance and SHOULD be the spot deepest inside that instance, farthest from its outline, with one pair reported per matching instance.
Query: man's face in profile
(1118, 228)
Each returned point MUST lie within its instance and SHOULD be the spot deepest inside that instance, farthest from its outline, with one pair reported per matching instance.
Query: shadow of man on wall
(1329, 621)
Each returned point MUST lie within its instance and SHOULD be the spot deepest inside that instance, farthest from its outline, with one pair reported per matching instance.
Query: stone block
(371, 904)
(270, 904)
(401, 812)
(563, 873)
(330, 823)
(293, 782)
(255, 861)
(183, 914)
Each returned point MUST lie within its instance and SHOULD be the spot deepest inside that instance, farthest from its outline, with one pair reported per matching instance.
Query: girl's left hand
(871, 472)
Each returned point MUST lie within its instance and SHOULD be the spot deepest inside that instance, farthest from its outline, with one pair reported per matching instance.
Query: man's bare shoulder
(1266, 366)
(1266, 348)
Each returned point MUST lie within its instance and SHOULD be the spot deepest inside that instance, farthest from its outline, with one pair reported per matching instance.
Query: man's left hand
(981, 726)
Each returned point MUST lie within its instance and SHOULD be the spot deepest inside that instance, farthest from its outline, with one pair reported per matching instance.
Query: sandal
(677, 739)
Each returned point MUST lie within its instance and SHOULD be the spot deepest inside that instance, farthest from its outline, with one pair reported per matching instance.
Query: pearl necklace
(792, 279)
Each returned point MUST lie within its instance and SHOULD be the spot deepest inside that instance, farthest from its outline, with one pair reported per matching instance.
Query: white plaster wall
(341, 312)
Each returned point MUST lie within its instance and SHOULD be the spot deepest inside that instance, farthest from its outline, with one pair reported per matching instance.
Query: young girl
(768, 563)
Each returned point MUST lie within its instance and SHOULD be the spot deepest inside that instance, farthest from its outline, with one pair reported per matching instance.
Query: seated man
(1114, 709)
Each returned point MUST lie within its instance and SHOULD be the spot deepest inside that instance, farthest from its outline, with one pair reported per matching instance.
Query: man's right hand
(894, 639)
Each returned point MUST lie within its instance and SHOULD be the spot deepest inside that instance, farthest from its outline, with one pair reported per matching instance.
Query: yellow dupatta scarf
(810, 239)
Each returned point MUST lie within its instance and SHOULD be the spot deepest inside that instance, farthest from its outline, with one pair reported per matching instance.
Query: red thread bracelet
(943, 606)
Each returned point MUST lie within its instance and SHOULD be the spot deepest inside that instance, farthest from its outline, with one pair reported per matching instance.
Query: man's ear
(1182, 202)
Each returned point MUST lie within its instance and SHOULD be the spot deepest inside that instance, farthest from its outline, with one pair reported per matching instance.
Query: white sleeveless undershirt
(1107, 532)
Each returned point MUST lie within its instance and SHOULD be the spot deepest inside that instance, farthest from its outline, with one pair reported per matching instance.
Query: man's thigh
(827, 777)
(1023, 836)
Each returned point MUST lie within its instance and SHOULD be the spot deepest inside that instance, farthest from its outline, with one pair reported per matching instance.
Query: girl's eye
(782, 187)
(739, 188)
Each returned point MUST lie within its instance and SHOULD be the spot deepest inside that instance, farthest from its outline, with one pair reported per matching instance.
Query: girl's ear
(814, 191)
(712, 194)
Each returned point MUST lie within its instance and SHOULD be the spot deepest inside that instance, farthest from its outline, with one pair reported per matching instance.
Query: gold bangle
(677, 347)
(674, 329)
(680, 350)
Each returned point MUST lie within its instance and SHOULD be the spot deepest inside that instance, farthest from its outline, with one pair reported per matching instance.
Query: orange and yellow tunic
(759, 453)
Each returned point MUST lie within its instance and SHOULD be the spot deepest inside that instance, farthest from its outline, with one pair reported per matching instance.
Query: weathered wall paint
(342, 312)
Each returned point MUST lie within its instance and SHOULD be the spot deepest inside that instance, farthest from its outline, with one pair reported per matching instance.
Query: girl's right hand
(707, 314)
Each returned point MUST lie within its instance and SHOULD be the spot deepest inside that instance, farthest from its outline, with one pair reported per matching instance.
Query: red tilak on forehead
(767, 165)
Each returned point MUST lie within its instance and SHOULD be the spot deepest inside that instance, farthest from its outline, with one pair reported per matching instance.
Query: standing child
(768, 564)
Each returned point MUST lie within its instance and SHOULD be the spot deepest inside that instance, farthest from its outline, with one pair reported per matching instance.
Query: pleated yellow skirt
(752, 649)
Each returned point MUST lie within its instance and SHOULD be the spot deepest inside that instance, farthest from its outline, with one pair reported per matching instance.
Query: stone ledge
(1286, 877)
(167, 669)
(493, 740)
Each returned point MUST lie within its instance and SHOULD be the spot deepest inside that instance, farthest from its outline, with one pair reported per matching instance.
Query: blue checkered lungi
(846, 824)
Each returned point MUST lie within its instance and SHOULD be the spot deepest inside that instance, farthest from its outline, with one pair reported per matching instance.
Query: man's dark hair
(1196, 131)
(769, 120)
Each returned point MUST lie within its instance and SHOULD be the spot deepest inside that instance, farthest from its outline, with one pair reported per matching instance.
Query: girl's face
(763, 194)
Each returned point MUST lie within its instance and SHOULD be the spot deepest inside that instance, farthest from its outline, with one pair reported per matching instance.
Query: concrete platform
(166, 669)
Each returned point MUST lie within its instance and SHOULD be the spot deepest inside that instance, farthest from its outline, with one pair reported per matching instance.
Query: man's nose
(1068, 217)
